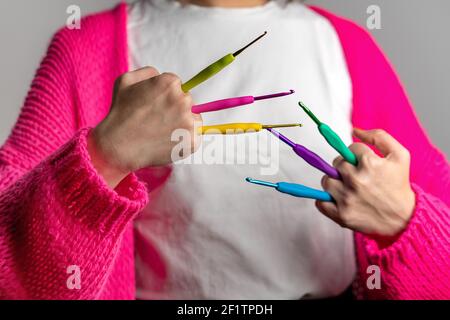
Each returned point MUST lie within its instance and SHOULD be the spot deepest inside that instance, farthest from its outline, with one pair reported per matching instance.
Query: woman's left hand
(374, 198)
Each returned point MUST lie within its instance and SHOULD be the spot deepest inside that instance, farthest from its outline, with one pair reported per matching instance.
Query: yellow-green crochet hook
(216, 67)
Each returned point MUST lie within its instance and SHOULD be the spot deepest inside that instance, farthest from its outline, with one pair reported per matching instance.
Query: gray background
(414, 35)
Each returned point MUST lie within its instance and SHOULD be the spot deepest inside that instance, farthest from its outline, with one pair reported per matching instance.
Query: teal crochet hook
(332, 138)
(296, 190)
(216, 67)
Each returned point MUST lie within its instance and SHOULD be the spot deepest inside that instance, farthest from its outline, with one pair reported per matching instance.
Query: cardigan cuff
(86, 194)
(425, 237)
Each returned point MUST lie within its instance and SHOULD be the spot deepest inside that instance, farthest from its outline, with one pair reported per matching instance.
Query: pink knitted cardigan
(56, 211)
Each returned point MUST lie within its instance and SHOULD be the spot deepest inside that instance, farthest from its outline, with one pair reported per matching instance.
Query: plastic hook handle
(301, 191)
(208, 72)
(222, 104)
(336, 142)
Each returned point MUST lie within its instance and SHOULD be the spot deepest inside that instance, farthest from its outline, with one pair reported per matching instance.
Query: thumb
(383, 141)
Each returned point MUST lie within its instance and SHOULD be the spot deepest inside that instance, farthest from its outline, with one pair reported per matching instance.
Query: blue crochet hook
(296, 190)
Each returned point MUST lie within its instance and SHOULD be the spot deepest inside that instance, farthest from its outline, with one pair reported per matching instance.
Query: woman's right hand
(147, 108)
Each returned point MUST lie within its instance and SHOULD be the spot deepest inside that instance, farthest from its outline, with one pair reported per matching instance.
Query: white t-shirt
(206, 232)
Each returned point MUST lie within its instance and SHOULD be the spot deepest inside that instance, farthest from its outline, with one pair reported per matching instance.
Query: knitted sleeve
(58, 218)
(417, 265)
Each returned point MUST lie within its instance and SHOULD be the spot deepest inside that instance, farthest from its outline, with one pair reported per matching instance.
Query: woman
(80, 168)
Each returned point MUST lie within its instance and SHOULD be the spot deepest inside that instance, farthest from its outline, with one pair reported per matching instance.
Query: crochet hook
(310, 157)
(235, 102)
(237, 128)
(216, 67)
(296, 190)
(332, 138)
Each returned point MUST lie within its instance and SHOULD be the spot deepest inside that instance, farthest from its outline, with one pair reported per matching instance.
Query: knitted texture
(56, 211)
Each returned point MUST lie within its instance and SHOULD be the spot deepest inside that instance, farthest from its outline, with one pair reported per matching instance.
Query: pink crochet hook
(235, 102)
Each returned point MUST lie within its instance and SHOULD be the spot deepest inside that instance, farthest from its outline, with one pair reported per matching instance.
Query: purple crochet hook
(309, 156)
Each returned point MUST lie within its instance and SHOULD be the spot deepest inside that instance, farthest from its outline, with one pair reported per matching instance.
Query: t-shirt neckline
(173, 5)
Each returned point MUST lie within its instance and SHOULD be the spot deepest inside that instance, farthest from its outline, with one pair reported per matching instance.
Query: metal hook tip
(250, 44)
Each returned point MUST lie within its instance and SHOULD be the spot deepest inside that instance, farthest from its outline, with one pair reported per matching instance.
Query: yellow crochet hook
(239, 128)
(216, 67)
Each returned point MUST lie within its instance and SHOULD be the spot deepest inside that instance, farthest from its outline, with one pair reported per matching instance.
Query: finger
(383, 141)
(329, 209)
(337, 161)
(171, 79)
(340, 163)
(334, 187)
(198, 123)
(346, 169)
(198, 119)
(133, 77)
(361, 150)
(172, 83)
(145, 73)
